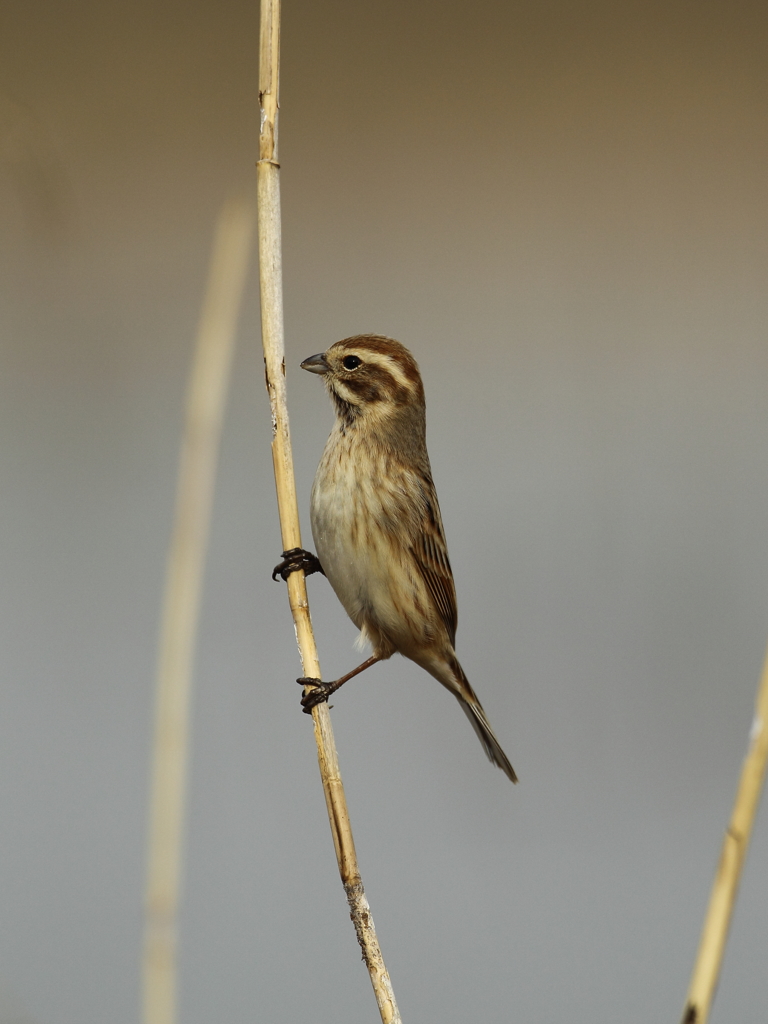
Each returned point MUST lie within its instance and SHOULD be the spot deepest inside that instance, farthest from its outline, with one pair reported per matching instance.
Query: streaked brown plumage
(376, 521)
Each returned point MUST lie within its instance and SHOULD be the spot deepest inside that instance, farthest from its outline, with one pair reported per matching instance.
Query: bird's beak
(316, 364)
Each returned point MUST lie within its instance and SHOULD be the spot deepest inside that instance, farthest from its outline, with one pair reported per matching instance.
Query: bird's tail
(473, 709)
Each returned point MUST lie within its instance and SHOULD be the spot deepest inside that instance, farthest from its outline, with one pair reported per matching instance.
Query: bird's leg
(321, 691)
(294, 559)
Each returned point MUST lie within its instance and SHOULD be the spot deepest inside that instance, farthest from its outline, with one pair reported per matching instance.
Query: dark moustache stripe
(346, 412)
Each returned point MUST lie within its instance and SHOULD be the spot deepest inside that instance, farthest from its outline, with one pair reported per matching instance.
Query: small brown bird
(376, 522)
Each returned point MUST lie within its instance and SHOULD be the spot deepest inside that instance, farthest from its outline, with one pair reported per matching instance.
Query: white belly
(367, 567)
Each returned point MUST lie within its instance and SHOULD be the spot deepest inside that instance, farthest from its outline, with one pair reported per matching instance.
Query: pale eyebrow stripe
(386, 363)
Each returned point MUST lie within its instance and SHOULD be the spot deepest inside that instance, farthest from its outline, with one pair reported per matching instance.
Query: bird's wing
(431, 556)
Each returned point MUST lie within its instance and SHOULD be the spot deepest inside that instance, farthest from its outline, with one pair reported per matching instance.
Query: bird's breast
(343, 515)
(359, 526)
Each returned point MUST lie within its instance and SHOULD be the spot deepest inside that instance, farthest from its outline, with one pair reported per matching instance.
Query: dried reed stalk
(734, 851)
(206, 398)
(270, 272)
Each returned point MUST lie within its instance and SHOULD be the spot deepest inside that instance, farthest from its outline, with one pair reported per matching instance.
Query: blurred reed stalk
(714, 934)
(206, 399)
(270, 275)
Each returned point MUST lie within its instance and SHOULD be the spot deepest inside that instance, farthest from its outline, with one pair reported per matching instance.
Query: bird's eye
(351, 362)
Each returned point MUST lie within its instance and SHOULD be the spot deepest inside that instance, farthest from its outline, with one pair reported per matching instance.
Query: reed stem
(725, 888)
(206, 398)
(270, 274)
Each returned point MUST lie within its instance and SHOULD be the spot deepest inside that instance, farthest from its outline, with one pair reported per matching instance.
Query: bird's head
(369, 376)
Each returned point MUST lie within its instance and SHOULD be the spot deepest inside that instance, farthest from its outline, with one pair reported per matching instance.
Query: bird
(377, 526)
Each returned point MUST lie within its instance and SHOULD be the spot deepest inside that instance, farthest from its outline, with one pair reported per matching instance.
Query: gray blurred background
(560, 207)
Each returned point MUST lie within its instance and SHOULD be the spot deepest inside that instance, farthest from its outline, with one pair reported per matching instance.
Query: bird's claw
(319, 693)
(295, 559)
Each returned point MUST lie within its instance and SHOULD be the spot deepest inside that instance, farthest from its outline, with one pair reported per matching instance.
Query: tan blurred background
(560, 207)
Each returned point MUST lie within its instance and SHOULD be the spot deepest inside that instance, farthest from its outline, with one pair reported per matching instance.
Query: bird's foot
(319, 693)
(295, 559)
